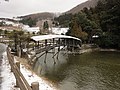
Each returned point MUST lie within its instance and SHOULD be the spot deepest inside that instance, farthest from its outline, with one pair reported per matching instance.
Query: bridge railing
(21, 82)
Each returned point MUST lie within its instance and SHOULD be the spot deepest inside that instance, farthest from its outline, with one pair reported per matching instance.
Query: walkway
(2, 49)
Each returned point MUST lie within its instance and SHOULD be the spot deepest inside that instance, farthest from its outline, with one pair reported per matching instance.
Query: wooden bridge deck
(47, 48)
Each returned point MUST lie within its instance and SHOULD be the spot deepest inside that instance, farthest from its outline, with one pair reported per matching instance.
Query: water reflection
(89, 71)
(51, 65)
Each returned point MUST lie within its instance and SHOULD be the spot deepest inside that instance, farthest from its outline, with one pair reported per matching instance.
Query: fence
(21, 82)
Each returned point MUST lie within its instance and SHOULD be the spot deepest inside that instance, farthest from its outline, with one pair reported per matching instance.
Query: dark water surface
(88, 71)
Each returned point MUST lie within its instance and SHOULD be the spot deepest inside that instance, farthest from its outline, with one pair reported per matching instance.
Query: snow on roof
(44, 37)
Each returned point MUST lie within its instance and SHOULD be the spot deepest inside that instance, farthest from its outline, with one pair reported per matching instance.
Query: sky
(15, 8)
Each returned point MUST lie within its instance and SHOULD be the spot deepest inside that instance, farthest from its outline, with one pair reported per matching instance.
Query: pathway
(2, 49)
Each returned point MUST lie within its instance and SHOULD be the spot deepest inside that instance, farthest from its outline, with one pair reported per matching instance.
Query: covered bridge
(57, 41)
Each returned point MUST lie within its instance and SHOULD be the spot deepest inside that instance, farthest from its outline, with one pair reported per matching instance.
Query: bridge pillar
(59, 44)
(65, 42)
(46, 45)
(38, 45)
(35, 45)
(73, 45)
(53, 42)
(53, 45)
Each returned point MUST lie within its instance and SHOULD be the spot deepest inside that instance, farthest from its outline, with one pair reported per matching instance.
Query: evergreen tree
(109, 16)
(29, 21)
(45, 25)
(76, 30)
(103, 20)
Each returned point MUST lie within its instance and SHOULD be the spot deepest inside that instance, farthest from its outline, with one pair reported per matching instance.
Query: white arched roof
(44, 37)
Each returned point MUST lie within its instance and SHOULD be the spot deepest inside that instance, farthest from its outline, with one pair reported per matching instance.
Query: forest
(99, 25)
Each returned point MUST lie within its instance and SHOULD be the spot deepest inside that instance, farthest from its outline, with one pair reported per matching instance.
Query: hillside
(39, 16)
(88, 4)
(45, 15)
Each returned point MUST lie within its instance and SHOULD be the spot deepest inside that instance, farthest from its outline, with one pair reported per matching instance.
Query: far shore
(114, 50)
(90, 48)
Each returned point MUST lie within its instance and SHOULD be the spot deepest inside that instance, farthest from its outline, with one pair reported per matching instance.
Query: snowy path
(7, 79)
(0, 70)
(2, 49)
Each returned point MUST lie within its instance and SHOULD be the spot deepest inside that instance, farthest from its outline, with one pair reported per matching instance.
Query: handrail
(20, 79)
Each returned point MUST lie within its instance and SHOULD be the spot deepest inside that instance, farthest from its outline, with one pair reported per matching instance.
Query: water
(88, 71)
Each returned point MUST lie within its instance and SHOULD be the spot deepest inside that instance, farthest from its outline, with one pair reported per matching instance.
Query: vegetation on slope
(102, 21)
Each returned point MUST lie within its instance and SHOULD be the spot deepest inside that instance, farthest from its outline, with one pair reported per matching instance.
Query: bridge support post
(45, 50)
(68, 44)
(45, 43)
(53, 45)
(35, 45)
(73, 45)
(59, 45)
(38, 45)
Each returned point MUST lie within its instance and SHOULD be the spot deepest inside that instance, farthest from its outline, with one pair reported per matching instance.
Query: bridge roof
(44, 37)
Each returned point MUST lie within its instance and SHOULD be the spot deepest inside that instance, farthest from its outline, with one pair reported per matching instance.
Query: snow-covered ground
(58, 31)
(8, 79)
(7, 22)
(26, 28)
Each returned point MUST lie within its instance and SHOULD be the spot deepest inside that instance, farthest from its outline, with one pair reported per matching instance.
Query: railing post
(35, 86)
(11, 57)
(18, 65)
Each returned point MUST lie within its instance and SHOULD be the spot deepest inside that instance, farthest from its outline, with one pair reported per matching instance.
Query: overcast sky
(24, 7)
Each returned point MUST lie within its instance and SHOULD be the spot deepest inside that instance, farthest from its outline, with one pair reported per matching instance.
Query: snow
(7, 22)
(31, 29)
(59, 31)
(31, 77)
(10, 23)
(8, 80)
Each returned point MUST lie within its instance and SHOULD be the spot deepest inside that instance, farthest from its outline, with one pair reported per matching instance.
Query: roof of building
(44, 37)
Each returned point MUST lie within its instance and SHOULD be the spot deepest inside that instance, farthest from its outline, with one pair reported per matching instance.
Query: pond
(99, 70)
